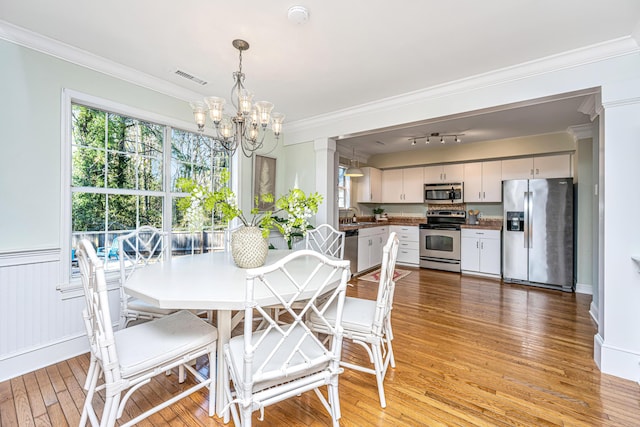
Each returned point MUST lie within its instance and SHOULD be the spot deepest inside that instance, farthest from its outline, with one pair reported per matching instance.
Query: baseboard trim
(593, 312)
(619, 362)
(582, 288)
(20, 364)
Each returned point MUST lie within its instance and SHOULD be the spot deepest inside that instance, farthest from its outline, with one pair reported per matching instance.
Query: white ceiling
(348, 53)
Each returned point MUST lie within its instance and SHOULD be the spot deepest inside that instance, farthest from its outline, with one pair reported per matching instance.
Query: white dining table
(208, 281)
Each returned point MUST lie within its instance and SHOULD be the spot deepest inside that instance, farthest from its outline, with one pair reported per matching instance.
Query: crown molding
(595, 53)
(579, 132)
(57, 49)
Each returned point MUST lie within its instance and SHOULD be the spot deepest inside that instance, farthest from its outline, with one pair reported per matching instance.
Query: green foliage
(378, 211)
(222, 203)
(115, 152)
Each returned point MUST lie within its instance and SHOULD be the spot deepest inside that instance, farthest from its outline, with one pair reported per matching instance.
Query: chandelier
(247, 128)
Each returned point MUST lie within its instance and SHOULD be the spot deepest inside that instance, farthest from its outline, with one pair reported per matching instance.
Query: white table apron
(202, 282)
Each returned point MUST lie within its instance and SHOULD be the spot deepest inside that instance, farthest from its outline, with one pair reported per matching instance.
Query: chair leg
(334, 402)
(388, 335)
(90, 386)
(245, 415)
(379, 368)
(110, 412)
(212, 384)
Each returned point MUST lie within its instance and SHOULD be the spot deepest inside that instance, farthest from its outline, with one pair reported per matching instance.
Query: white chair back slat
(326, 240)
(143, 246)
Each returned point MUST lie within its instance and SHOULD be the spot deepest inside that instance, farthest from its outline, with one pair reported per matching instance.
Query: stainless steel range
(440, 240)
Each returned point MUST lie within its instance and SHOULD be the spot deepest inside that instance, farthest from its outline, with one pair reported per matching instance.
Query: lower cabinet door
(490, 256)
(469, 254)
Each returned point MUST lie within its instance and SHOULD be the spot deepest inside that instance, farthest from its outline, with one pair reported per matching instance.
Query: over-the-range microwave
(443, 193)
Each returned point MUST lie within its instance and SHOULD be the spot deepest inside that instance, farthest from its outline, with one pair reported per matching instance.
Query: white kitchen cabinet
(553, 166)
(443, 174)
(556, 166)
(408, 240)
(370, 243)
(370, 186)
(483, 182)
(402, 186)
(480, 252)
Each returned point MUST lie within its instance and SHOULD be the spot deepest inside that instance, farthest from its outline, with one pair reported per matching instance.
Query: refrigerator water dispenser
(515, 221)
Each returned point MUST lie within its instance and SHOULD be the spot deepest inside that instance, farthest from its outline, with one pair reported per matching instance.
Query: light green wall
(301, 165)
(451, 153)
(584, 201)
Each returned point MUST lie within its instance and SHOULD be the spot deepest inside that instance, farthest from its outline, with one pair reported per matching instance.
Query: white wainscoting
(37, 327)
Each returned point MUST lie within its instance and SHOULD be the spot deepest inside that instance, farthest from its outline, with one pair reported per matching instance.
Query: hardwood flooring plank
(21, 402)
(46, 389)
(57, 416)
(36, 401)
(8, 415)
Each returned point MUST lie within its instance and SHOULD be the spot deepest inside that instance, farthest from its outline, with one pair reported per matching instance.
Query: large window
(344, 188)
(123, 175)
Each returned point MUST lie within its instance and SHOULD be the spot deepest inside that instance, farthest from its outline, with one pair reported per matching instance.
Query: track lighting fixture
(443, 137)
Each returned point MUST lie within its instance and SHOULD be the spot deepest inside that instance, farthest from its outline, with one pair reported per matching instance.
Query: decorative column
(326, 180)
(617, 344)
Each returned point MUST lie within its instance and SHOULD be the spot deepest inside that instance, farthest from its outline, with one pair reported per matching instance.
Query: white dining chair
(277, 362)
(129, 358)
(137, 249)
(368, 322)
(326, 240)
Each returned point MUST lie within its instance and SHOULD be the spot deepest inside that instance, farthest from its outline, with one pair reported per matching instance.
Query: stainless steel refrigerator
(538, 233)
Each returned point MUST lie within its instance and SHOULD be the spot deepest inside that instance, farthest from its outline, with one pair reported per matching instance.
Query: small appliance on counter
(473, 216)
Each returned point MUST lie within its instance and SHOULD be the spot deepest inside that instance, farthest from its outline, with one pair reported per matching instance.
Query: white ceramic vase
(248, 248)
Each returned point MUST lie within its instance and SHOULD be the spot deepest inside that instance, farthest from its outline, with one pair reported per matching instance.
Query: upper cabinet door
(492, 181)
(517, 168)
(443, 173)
(392, 186)
(557, 166)
(473, 182)
(453, 173)
(370, 186)
(413, 185)
(432, 174)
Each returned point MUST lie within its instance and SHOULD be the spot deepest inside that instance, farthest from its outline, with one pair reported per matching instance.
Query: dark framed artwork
(264, 180)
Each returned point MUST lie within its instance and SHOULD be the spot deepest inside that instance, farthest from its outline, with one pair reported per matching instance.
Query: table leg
(224, 334)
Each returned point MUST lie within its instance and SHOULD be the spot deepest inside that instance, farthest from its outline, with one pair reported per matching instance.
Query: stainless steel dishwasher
(351, 249)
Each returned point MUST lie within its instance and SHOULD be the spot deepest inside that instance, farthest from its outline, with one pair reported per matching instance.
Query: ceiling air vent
(190, 77)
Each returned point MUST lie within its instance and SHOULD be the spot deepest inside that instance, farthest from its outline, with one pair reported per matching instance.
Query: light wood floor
(469, 352)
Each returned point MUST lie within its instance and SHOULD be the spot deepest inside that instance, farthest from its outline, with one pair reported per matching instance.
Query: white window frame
(72, 287)
(346, 187)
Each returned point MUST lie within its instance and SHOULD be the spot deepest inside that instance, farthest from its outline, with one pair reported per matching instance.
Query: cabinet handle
(481, 245)
(477, 247)
(531, 172)
(479, 195)
(483, 195)
(537, 171)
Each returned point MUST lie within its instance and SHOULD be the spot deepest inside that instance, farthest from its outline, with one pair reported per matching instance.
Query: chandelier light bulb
(264, 112)
(276, 123)
(245, 102)
(199, 114)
